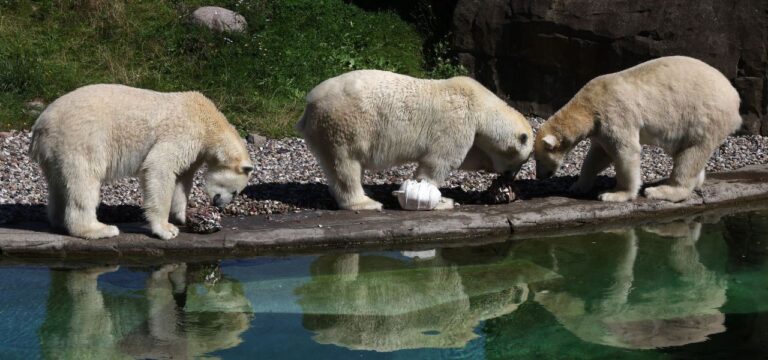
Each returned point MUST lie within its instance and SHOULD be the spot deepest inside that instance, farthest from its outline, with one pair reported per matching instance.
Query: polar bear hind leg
(344, 176)
(700, 179)
(57, 197)
(687, 174)
(345, 183)
(82, 199)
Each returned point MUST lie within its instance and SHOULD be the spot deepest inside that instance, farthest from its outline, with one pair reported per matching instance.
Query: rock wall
(538, 53)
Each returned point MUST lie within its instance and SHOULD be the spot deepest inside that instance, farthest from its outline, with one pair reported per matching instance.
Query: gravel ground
(287, 179)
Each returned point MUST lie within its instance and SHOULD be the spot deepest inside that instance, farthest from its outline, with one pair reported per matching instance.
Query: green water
(674, 291)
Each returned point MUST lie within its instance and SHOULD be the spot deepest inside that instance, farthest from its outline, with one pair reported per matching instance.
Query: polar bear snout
(508, 167)
(220, 197)
(545, 169)
(223, 184)
(547, 164)
(219, 201)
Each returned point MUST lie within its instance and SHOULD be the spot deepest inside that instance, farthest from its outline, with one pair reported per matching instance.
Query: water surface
(667, 291)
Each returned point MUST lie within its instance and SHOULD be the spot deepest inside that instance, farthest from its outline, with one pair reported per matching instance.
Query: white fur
(678, 103)
(102, 132)
(373, 119)
(551, 141)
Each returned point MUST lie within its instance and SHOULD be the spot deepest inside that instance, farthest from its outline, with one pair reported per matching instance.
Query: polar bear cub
(104, 132)
(678, 103)
(370, 119)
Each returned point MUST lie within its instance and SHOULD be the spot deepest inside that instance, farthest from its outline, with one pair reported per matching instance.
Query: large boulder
(219, 19)
(538, 53)
(34, 107)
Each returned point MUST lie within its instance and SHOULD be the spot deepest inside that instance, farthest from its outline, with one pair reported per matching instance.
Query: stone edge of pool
(318, 231)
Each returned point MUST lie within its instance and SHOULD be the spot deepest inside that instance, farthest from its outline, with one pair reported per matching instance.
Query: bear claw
(368, 204)
(165, 231)
(100, 231)
(618, 196)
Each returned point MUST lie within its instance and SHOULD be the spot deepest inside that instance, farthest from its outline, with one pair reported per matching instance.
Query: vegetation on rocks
(258, 79)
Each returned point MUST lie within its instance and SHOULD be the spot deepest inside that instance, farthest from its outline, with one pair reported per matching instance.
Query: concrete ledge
(326, 230)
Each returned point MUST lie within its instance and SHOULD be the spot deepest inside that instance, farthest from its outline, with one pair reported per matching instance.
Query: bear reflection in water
(648, 303)
(642, 288)
(182, 317)
(370, 302)
(611, 289)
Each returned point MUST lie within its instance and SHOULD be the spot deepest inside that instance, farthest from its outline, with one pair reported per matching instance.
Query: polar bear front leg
(435, 172)
(158, 184)
(687, 174)
(628, 178)
(595, 162)
(158, 187)
(181, 197)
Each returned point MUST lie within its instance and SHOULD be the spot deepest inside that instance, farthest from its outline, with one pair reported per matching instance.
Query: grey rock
(34, 107)
(256, 139)
(219, 19)
(36, 104)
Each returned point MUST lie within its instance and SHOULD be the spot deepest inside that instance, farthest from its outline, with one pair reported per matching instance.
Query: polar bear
(104, 132)
(678, 103)
(371, 119)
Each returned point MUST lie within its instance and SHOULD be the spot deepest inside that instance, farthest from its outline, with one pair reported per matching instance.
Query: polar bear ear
(551, 141)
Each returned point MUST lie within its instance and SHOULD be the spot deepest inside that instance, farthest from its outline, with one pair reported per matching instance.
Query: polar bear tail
(35, 151)
(38, 151)
(302, 124)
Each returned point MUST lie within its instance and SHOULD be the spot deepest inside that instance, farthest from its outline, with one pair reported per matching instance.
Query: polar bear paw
(165, 231)
(666, 192)
(617, 196)
(111, 231)
(95, 231)
(365, 204)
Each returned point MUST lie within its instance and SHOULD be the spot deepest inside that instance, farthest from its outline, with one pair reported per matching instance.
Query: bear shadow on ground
(26, 216)
(317, 196)
(309, 196)
(558, 186)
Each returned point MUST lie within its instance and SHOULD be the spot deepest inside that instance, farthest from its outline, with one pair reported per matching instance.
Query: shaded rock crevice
(538, 53)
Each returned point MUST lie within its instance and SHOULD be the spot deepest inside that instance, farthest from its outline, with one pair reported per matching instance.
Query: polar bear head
(560, 133)
(506, 143)
(549, 153)
(228, 171)
(223, 183)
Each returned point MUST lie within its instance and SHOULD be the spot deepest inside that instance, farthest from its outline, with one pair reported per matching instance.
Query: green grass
(258, 79)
